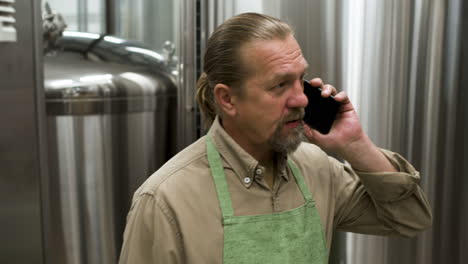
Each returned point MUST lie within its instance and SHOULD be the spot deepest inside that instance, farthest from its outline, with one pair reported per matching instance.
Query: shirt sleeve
(385, 203)
(151, 234)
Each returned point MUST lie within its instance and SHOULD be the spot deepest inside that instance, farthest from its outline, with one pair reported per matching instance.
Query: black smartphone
(321, 112)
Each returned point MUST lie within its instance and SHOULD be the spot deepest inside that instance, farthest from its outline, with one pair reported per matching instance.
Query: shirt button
(247, 180)
(258, 171)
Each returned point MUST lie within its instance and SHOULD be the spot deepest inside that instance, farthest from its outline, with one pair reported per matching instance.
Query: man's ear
(225, 97)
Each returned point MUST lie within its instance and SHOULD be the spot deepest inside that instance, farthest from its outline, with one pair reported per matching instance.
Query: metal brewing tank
(110, 107)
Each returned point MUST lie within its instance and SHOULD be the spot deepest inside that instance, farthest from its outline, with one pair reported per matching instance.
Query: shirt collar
(241, 162)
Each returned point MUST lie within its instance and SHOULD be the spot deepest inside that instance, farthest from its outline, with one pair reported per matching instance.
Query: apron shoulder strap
(300, 180)
(217, 171)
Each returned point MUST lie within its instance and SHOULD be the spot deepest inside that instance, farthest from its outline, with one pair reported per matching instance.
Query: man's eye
(280, 85)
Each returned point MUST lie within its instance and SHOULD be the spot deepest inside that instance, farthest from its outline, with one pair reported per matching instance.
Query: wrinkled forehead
(281, 56)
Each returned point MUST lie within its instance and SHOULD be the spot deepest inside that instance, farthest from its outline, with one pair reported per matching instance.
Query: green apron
(293, 236)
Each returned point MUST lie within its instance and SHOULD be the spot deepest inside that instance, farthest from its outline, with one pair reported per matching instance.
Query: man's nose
(297, 98)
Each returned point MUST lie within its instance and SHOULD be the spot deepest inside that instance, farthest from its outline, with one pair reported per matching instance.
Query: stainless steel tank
(111, 110)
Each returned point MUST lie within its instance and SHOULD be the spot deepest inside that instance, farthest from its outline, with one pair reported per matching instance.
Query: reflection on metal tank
(111, 110)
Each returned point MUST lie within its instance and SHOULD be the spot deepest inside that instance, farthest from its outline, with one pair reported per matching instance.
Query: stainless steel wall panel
(460, 138)
(21, 139)
(424, 136)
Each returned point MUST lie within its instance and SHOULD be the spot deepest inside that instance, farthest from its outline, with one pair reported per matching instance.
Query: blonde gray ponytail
(206, 100)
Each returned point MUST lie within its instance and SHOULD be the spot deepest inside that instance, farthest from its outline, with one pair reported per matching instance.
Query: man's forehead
(284, 74)
(279, 58)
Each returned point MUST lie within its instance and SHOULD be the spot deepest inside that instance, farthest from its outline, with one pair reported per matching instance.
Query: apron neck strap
(217, 171)
(300, 180)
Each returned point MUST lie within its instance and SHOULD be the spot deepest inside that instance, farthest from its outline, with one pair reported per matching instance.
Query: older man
(251, 190)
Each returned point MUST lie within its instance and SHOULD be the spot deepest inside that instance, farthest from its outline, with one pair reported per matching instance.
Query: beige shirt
(176, 218)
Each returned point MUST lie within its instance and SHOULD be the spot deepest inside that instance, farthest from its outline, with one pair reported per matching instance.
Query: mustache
(295, 114)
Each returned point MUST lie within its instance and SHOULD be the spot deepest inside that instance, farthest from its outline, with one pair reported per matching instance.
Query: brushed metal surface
(186, 119)
(154, 22)
(76, 86)
(100, 161)
(110, 116)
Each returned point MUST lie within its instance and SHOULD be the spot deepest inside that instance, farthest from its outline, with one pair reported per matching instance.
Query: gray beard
(289, 143)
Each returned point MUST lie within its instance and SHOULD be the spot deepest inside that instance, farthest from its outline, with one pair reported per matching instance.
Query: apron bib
(293, 236)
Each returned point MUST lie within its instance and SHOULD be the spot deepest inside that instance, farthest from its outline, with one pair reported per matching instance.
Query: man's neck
(262, 152)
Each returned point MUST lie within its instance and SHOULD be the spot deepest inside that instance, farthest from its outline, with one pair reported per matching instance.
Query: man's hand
(346, 137)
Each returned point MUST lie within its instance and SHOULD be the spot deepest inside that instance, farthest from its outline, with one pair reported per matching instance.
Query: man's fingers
(342, 97)
(328, 90)
(316, 82)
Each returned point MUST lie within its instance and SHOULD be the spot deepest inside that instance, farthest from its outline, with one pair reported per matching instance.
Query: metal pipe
(186, 118)
(110, 10)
